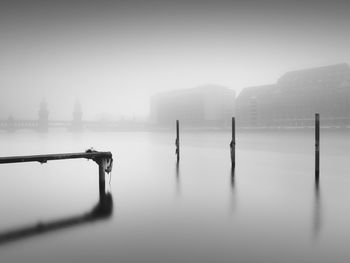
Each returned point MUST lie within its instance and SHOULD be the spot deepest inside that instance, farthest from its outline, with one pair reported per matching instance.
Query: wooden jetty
(104, 161)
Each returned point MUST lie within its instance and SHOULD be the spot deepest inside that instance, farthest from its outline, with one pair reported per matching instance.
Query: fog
(114, 55)
(174, 131)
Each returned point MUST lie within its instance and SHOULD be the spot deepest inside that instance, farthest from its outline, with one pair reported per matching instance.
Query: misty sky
(112, 55)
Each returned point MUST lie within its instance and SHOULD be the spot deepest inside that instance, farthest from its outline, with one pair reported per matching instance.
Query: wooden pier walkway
(92, 155)
(103, 159)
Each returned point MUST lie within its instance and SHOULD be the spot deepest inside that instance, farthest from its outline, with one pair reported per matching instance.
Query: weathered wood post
(177, 141)
(101, 178)
(233, 144)
(317, 146)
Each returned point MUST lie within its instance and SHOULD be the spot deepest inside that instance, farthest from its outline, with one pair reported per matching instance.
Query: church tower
(43, 122)
(77, 123)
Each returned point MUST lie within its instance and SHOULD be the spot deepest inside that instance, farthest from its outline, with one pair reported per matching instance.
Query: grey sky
(113, 55)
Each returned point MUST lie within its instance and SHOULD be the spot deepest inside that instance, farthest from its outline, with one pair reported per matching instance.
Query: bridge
(43, 124)
(12, 125)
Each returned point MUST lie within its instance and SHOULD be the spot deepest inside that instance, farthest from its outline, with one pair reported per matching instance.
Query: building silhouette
(209, 105)
(296, 97)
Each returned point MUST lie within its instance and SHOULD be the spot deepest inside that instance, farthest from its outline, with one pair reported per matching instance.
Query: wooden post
(101, 176)
(317, 146)
(233, 144)
(177, 142)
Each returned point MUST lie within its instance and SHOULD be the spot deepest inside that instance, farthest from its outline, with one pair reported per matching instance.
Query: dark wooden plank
(50, 157)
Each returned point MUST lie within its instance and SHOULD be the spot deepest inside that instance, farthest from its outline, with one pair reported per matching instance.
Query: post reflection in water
(177, 177)
(233, 190)
(317, 216)
(102, 210)
(233, 179)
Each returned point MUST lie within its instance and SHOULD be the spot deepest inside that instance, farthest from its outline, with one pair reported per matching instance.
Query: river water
(269, 210)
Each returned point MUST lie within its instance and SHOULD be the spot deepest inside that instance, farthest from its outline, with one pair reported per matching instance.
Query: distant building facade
(296, 97)
(209, 105)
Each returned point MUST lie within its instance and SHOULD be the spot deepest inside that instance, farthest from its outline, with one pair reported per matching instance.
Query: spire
(77, 123)
(77, 112)
(10, 124)
(43, 122)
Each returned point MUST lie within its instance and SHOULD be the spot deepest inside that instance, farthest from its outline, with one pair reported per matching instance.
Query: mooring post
(317, 146)
(233, 143)
(101, 175)
(177, 142)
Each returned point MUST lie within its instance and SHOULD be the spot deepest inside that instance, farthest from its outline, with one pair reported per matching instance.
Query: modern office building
(209, 105)
(296, 97)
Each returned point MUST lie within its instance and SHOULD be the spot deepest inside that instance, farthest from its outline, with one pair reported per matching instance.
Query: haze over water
(270, 211)
(114, 55)
(88, 61)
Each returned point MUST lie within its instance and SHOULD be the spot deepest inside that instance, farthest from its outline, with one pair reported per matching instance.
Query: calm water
(269, 211)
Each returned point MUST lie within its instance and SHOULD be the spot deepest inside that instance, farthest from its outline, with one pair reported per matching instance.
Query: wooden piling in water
(233, 144)
(101, 177)
(177, 142)
(317, 146)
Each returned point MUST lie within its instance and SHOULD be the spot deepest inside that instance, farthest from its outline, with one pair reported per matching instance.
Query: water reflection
(232, 179)
(317, 216)
(102, 210)
(233, 190)
(177, 177)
